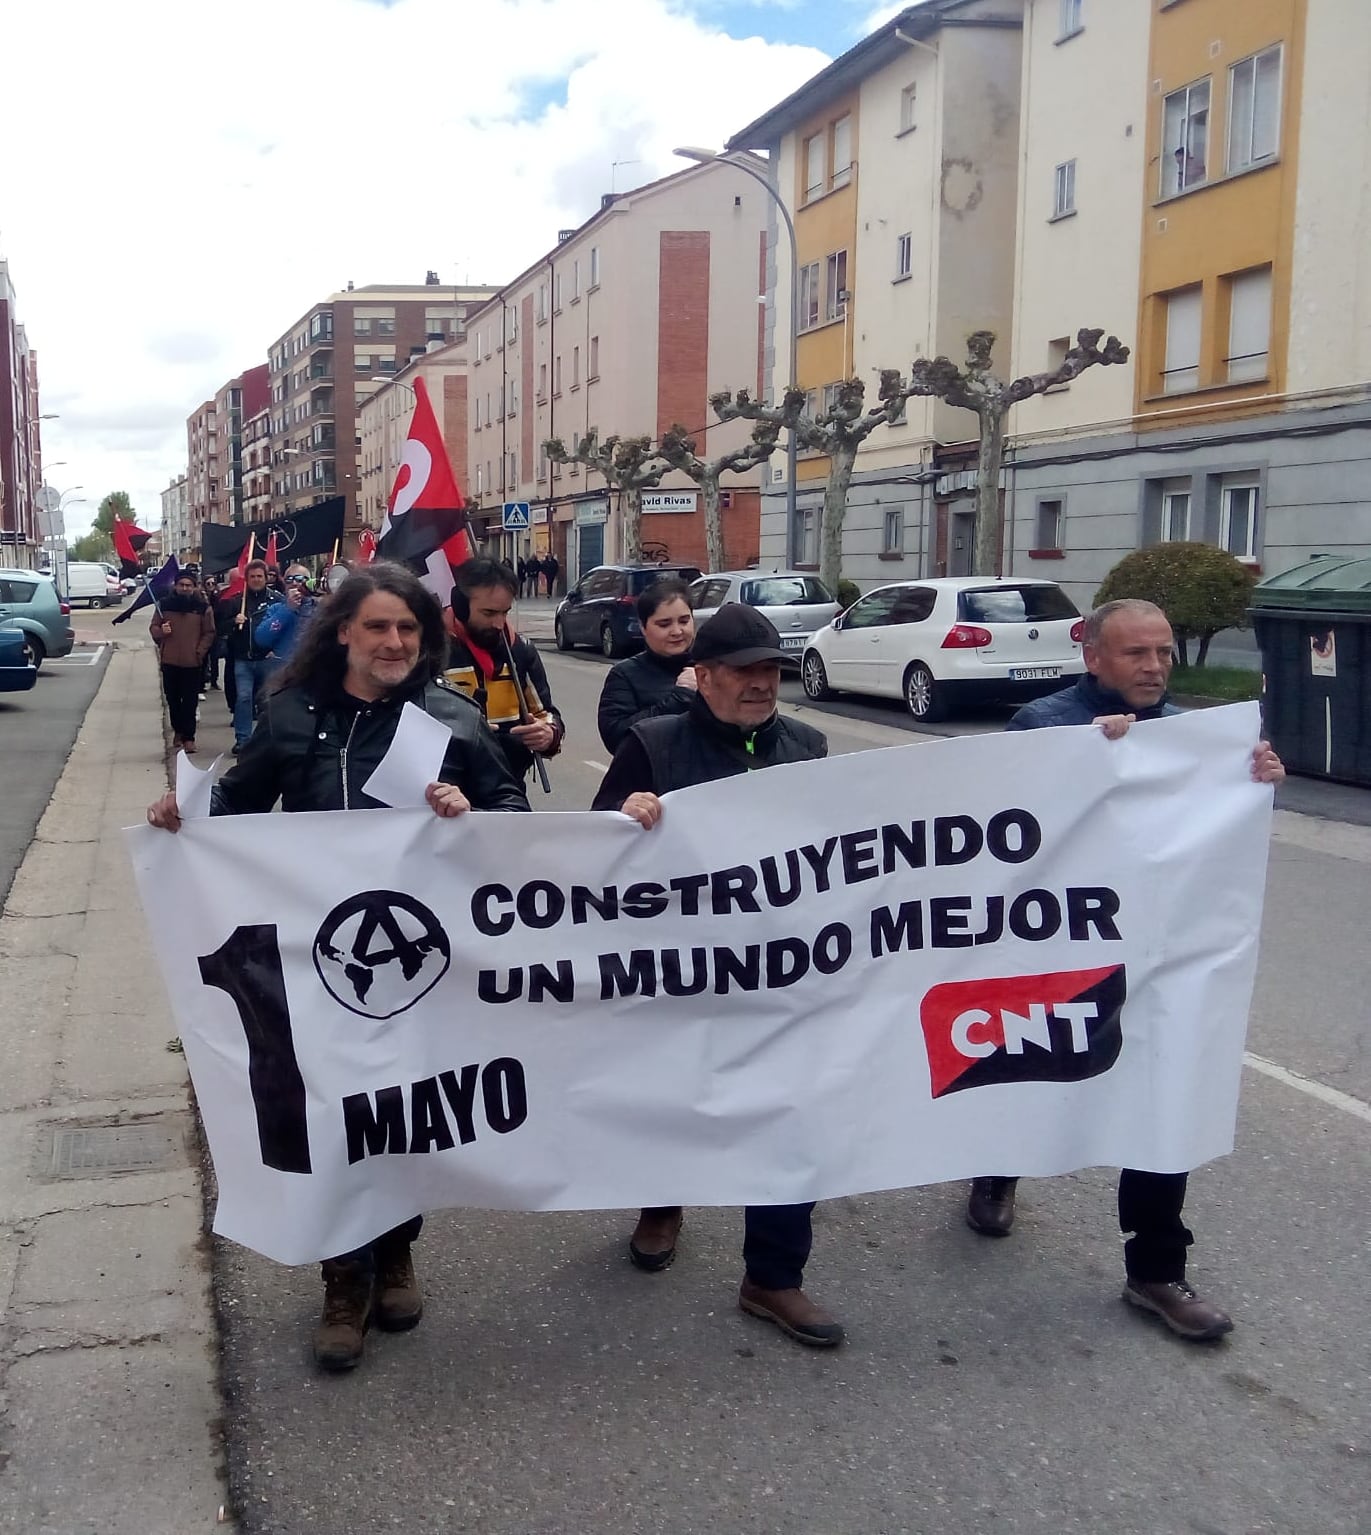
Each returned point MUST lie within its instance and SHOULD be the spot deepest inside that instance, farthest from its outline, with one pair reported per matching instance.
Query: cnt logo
(1023, 1028)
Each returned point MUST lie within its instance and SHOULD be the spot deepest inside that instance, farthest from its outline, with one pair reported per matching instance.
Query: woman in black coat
(660, 679)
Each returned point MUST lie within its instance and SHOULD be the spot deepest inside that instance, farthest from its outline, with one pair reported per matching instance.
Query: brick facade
(683, 330)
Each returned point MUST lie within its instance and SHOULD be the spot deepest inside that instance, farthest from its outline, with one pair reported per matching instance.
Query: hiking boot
(1187, 1315)
(793, 1312)
(990, 1208)
(399, 1305)
(347, 1315)
(652, 1247)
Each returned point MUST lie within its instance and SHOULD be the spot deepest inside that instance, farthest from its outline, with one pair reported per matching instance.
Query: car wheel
(560, 635)
(609, 643)
(814, 678)
(34, 653)
(923, 695)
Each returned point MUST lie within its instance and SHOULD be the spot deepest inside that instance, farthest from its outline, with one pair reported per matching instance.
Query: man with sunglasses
(279, 628)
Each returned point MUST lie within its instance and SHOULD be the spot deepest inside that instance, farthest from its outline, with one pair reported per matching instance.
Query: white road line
(1329, 1095)
(600, 767)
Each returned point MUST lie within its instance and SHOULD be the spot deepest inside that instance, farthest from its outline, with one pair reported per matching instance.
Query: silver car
(31, 602)
(795, 601)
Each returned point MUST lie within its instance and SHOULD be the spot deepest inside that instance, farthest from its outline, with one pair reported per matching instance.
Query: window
(361, 327)
(511, 325)
(513, 476)
(1175, 525)
(480, 480)
(842, 151)
(1185, 138)
(909, 98)
(385, 326)
(872, 612)
(1238, 519)
(557, 376)
(593, 360)
(1047, 527)
(542, 381)
(594, 266)
(1182, 369)
(361, 362)
(514, 397)
(814, 167)
(487, 407)
(835, 291)
(540, 303)
(575, 280)
(830, 398)
(904, 256)
(1064, 191)
(1014, 605)
(1249, 325)
(1070, 19)
(556, 293)
(575, 367)
(1254, 110)
(807, 535)
(809, 296)
(892, 534)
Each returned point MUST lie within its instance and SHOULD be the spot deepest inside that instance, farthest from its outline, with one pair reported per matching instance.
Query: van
(88, 583)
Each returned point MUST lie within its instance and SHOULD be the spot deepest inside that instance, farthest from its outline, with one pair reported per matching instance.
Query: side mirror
(837, 622)
(574, 595)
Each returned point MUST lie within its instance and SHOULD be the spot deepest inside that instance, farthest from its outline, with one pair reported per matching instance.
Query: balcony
(322, 406)
(321, 367)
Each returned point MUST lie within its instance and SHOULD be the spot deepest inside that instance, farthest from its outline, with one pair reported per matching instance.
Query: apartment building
(899, 166)
(175, 528)
(1220, 222)
(256, 460)
(204, 475)
(325, 366)
(237, 401)
(623, 328)
(384, 420)
(21, 457)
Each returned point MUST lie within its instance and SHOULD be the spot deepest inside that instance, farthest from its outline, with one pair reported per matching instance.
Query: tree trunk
(714, 526)
(1183, 649)
(1202, 655)
(986, 548)
(840, 465)
(631, 517)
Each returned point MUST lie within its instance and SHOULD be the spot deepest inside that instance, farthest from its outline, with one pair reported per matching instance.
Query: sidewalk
(109, 1398)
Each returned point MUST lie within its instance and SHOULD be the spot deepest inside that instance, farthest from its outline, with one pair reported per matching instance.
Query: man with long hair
(376, 645)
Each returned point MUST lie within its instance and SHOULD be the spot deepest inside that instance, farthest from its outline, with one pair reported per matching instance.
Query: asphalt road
(987, 1386)
(37, 730)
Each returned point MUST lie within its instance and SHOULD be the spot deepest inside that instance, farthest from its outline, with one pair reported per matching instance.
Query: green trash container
(1313, 624)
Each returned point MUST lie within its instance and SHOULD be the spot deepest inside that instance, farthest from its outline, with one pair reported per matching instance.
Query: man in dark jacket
(660, 678)
(321, 733)
(479, 656)
(250, 661)
(732, 727)
(1128, 654)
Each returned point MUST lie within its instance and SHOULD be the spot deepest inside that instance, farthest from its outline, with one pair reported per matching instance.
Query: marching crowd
(316, 684)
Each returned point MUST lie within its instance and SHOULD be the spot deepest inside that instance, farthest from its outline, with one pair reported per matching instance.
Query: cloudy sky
(190, 177)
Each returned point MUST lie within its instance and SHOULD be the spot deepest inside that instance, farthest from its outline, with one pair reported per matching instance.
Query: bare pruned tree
(629, 465)
(678, 448)
(975, 388)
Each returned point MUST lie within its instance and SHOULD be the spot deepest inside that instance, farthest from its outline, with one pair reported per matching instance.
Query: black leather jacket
(641, 688)
(681, 750)
(315, 754)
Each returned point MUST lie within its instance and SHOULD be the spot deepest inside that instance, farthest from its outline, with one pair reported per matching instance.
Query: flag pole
(524, 717)
(252, 550)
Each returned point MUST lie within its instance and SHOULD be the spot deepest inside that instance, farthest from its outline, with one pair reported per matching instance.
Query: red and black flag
(426, 520)
(128, 540)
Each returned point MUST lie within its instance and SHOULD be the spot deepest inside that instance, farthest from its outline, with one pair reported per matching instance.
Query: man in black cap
(731, 727)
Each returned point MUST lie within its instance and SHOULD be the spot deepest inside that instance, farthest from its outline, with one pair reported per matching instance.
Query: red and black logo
(1023, 1028)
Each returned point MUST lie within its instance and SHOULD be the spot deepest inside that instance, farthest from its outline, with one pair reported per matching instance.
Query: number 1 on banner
(247, 966)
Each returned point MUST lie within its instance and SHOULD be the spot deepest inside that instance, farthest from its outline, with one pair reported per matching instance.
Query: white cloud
(197, 176)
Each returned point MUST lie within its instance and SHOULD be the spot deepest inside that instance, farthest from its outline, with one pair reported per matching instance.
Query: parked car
(87, 582)
(949, 641)
(795, 602)
(30, 601)
(602, 608)
(17, 673)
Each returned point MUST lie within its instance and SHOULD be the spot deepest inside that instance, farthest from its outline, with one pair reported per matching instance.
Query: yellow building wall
(1230, 224)
(823, 226)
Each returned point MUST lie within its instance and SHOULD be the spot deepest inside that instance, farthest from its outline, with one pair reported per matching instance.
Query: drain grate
(103, 1150)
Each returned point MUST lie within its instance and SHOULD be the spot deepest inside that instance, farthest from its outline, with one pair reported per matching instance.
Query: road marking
(89, 659)
(1329, 1095)
(600, 767)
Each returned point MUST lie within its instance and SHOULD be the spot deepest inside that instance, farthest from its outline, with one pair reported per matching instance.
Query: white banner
(669, 501)
(1021, 953)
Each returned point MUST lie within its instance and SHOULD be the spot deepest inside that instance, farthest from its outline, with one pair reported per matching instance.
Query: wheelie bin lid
(1328, 583)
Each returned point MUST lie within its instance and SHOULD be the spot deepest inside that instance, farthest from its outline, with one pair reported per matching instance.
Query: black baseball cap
(737, 635)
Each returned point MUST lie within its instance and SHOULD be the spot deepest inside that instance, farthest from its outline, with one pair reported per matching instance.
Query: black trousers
(181, 684)
(776, 1243)
(1150, 1206)
(364, 1258)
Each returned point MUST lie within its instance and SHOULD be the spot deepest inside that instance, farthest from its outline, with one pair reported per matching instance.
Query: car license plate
(1033, 673)
(793, 641)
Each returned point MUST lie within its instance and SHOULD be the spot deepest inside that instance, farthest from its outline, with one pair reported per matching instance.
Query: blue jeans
(249, 676)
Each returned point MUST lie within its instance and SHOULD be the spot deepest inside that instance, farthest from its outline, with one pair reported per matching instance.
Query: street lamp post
(704, 157)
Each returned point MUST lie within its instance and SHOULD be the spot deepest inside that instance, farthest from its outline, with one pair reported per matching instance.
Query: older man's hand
(1115, 726)
(644, 807)
(446, 799)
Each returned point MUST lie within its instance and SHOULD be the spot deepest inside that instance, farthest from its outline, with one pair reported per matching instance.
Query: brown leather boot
(1187, 1315)
(793, 1312)
(990, 1206)
(399, 1305)
(652, 1247)
(347, 1315)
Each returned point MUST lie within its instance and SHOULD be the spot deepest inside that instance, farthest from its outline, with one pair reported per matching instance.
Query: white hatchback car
(948, 640)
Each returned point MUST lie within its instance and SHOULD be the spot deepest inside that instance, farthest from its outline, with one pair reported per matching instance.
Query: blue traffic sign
(515, 518)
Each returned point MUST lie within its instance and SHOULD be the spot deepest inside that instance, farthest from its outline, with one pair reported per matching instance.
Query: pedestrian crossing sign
(515, 517)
